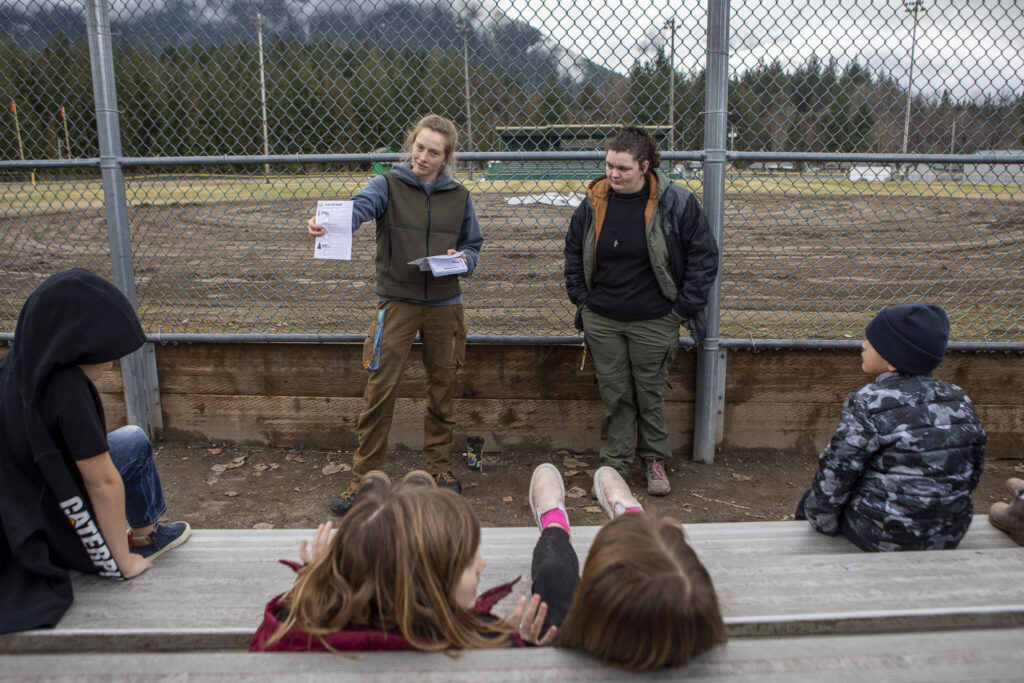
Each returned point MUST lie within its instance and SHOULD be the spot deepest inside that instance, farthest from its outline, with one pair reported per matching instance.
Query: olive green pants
(442, 332)
(632, 361)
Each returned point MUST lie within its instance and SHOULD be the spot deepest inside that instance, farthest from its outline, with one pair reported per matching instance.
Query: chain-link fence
(814, 247)
(824, 222)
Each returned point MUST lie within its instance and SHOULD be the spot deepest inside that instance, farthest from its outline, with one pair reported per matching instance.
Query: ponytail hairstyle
(394, 565)
(438, 124)
(644, 601)
(639, 143)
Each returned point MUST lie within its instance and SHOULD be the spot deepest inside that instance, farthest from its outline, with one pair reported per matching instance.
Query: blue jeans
(132, 454)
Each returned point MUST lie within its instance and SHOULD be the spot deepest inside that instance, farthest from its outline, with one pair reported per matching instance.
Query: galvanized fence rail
(848, 156)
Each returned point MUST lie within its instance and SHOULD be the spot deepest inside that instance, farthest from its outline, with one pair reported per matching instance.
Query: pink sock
(621, 509)
(555, 516)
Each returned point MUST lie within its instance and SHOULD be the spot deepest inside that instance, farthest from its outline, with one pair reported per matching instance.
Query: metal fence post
(138, 370)
(710, 384)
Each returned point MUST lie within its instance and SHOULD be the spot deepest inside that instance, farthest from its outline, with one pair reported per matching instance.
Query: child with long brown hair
(401, 573)
(644, 601)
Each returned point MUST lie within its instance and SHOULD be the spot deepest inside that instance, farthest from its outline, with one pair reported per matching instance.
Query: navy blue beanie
(911, 337)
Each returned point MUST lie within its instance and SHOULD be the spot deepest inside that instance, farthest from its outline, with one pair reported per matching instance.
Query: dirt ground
(227, 486)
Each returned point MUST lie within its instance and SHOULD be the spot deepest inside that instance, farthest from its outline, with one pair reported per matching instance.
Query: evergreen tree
(690, 110)
(746, 114)
(331, 95)
(839, 133)
(551, 104)
(795, 135)
(863, 126)
(648, 91)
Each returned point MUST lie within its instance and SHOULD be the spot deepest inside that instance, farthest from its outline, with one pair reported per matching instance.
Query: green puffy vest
(415, 225)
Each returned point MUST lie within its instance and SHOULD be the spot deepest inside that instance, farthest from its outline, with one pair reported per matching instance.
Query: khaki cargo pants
(442, 332)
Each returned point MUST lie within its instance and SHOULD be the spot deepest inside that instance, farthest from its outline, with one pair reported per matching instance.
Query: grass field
(802, 257)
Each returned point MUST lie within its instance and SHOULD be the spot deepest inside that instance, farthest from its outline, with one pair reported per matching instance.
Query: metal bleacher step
(773, 579)
(975, 655)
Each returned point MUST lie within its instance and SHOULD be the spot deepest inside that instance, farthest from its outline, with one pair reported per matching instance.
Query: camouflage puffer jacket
(901, 466)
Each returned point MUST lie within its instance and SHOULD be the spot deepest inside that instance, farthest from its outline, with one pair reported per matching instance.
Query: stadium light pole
(671, 26)
(17, 134)
(913, 7)
(67, 138)
(463, 28)
(263, 95)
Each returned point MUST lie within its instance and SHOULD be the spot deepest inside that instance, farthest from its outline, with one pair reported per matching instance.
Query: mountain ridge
(500, 43)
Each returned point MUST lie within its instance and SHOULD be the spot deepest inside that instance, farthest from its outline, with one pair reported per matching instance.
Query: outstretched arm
(369, 204)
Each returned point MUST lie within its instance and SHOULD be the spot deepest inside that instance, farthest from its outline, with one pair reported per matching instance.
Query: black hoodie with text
(47, 526)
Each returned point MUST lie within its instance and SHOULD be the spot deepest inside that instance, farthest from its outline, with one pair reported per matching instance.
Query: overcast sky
(970, 48)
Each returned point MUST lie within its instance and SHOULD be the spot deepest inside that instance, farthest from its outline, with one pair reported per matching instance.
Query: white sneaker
(618, 498)
(546, 482)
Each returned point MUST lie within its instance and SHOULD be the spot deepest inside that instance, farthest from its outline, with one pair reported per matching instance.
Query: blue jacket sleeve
(369, 204)
(840, 467)
(471, 239)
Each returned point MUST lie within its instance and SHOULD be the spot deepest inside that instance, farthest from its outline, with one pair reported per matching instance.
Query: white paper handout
(442, 265)
(336, 242)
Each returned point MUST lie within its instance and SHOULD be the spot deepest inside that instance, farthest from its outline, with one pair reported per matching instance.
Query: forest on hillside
(324, 97)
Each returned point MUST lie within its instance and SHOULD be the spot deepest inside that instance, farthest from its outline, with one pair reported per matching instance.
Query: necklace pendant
(615, 244)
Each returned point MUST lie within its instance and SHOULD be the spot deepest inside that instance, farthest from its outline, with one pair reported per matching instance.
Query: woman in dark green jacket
(639, 261)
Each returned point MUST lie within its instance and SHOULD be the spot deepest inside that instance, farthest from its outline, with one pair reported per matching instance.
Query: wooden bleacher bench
(775, 580)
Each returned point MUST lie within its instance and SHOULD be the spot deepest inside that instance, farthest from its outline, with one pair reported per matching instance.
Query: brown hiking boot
(447, 480)
(345, 501)
(1010, 517)
(372, 480)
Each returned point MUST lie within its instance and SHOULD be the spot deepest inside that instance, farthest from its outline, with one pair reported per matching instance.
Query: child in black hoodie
(66, 486)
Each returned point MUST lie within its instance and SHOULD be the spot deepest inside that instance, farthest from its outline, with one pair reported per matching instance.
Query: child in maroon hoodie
(401, 573)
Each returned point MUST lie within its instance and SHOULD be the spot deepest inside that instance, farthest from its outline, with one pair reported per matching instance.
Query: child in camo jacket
(899, 470)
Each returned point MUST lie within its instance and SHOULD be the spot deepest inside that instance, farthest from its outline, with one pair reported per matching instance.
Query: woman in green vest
(419, 211)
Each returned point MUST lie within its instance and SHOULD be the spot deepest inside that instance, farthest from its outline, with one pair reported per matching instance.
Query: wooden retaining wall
(531, 397)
